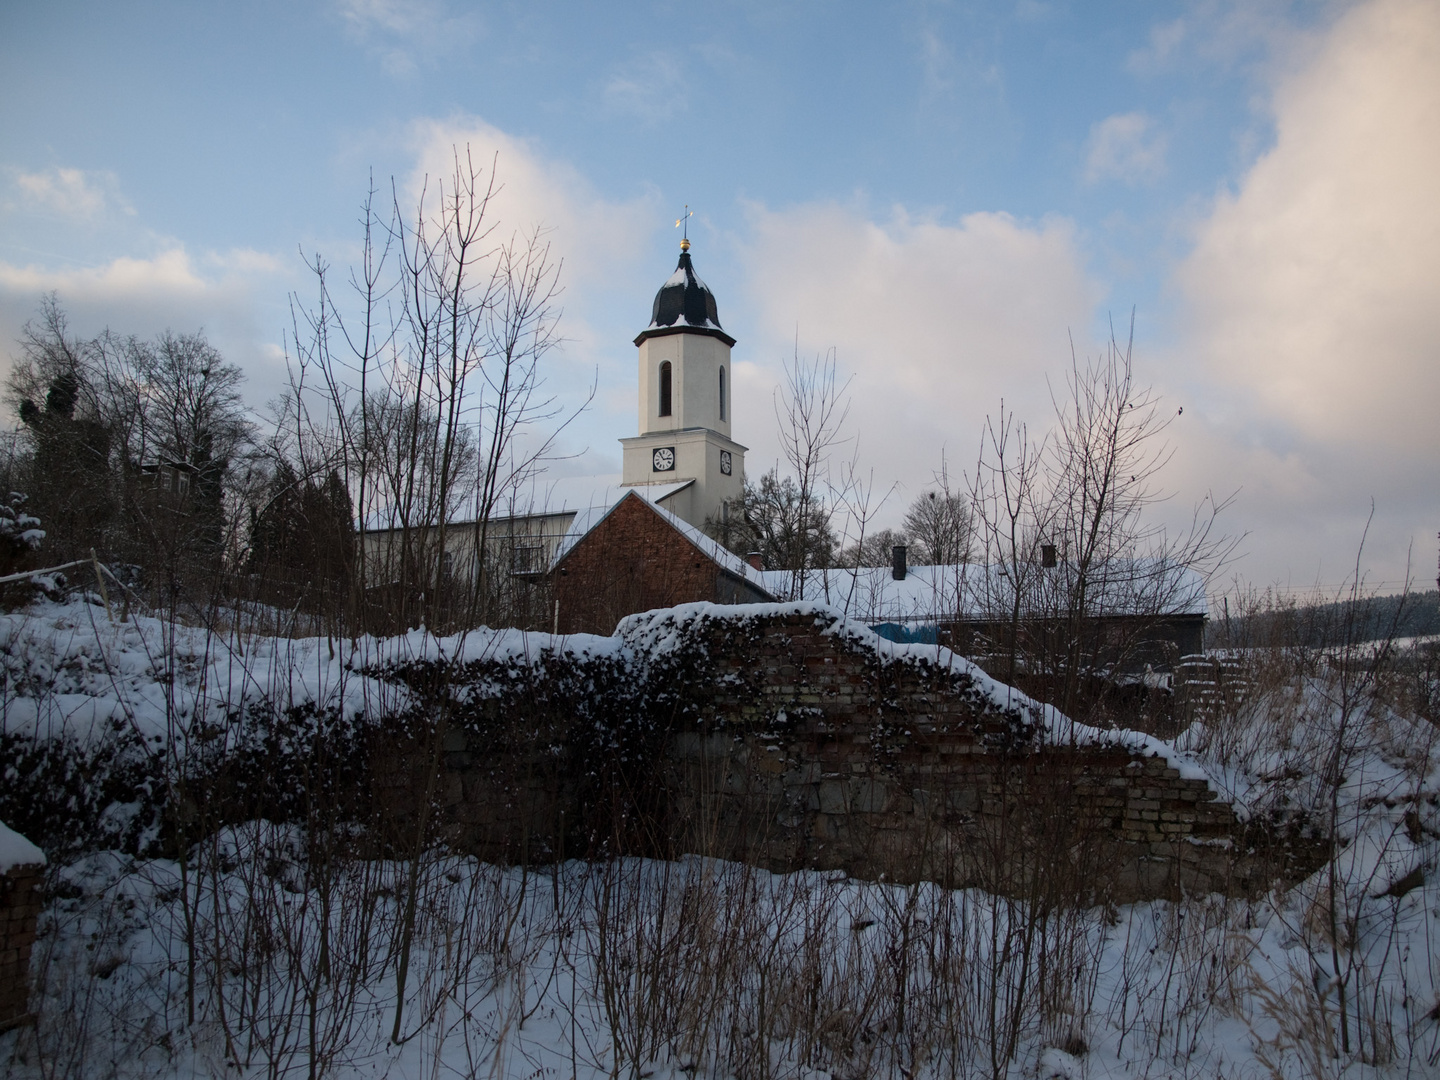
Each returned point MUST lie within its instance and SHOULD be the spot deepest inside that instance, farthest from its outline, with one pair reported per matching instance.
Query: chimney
(897, 564)
(755, 559)
(1047, 555)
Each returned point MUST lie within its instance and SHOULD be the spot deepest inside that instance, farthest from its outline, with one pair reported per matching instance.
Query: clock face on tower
(663, 460)
(725, 463)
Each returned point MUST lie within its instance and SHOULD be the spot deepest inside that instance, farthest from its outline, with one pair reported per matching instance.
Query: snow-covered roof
(684, 302)
(559, 495)
(970, 590)
(543, 496)
(588, 519)
(586, 499)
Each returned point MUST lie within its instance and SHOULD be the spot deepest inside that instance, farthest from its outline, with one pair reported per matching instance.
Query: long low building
(1137, 614)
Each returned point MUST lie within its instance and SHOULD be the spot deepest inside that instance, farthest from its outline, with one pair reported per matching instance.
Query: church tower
(685, 409)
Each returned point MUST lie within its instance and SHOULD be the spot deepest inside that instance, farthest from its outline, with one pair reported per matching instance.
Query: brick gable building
(638, 556)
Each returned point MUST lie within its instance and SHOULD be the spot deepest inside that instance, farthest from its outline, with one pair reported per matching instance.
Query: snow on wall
(69, 670)
(653, 633)
(15, 850)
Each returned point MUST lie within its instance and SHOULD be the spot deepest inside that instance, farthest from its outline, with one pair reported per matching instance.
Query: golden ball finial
(684, 245)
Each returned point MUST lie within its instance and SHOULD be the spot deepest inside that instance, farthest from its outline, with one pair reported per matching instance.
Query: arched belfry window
(665, 388)
(722, 393)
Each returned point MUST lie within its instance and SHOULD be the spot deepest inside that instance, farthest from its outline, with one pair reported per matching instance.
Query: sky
(950, 196)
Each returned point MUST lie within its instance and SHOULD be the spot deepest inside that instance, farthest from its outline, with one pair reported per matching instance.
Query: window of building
(527, 558)
(665, 388)
(722, 393)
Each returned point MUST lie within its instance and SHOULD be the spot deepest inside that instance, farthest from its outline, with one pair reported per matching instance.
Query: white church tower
(685, 409)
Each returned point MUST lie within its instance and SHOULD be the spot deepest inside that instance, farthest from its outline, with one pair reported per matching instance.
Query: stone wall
(786, 737)
(19, 909)
(816, 748)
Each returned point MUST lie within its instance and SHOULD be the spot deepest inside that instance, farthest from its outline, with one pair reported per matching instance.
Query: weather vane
(684, 221)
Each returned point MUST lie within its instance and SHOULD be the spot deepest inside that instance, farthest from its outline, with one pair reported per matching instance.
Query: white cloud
(1311, 317)
(936, 322)
(1033, 11)
(390, 16)
(600, 244)
(651, 87)
(73, 194)
(1164, 39)
(1125, 147)
(937, 62)
(238, 296)
(408, 33)
(1226, 34)
(145, 296)
(596, 237)
(124, 278)
(248, 261)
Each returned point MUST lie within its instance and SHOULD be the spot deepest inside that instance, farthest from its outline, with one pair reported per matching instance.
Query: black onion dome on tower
(684, 305)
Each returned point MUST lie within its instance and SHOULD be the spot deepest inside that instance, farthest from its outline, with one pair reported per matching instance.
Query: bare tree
(1010, 515)
(875, 549)
(775, 520)
(1106, 453)
(857, 499)
(426, 395)
(940, 526)
(811, 408)
(106, 419)
(193, 400)
(1081, 575)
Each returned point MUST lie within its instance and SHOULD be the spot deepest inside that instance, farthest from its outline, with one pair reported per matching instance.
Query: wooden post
(100, 580)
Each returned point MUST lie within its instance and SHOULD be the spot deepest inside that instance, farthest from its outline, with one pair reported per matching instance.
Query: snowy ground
(674, 970)
(260, 956)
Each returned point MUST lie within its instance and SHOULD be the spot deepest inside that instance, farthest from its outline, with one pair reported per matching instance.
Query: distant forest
(1365, 619)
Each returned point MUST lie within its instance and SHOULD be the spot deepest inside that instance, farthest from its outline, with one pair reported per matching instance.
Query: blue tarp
(908, 635)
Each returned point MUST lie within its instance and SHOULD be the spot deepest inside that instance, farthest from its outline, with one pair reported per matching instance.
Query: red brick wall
(19, 909)
(632, 561)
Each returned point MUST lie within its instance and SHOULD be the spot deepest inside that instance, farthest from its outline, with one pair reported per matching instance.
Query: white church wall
(696, 361)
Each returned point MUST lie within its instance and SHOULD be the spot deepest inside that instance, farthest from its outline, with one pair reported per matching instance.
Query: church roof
(541, 497)
(684, 305)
